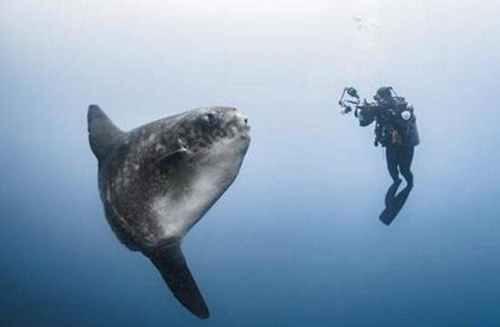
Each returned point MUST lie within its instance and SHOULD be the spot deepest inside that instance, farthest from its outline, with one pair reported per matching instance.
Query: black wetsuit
(399, 137)
(399, 150)
(399, 159)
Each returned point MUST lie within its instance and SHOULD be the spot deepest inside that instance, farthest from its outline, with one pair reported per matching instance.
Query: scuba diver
(396, 130)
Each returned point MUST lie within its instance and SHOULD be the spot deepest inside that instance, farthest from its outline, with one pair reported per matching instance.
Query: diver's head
(383, 93)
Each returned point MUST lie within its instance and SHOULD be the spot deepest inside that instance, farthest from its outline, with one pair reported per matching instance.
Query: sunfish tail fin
(173, 268)
(103, 134)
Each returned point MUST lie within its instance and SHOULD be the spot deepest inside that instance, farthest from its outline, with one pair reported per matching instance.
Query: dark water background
(296, 240)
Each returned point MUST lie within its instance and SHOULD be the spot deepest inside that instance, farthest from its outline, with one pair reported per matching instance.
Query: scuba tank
(404, 122)
(410, 130)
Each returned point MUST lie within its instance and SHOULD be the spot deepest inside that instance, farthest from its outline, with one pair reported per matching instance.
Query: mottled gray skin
(158, 180)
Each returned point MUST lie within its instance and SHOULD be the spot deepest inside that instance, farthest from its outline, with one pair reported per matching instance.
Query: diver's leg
(391, 157)
(405, 160)
(394, 204)
(390, 211)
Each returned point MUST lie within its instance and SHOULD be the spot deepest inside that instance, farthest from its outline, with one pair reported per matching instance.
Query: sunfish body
(159, 179)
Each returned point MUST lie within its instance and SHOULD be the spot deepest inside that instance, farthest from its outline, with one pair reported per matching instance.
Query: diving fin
(394, 204)
(175, 272)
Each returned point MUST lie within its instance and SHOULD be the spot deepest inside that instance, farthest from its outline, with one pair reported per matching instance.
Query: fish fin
(171, 159)
(103, 134)
(173, 268)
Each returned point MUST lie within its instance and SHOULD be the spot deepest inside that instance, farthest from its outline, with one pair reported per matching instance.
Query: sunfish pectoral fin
(171, 159)
(174, 270)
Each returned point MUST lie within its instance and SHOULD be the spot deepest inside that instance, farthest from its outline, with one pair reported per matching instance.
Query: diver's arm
(366, 114)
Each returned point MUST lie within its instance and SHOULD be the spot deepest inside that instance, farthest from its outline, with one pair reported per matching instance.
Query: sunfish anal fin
(173, 268)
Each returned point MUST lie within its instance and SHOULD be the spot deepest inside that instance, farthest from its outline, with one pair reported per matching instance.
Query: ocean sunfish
(158, 180)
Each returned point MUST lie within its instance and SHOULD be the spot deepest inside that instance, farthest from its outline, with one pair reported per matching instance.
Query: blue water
(296, 240)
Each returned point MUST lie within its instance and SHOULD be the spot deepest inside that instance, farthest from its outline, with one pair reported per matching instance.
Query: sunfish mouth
(238, 125)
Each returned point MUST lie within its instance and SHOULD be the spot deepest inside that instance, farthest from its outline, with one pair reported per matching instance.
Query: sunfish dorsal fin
(103, 134)
(175, 272)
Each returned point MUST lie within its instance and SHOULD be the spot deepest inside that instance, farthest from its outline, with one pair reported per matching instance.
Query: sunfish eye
(209, 119)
